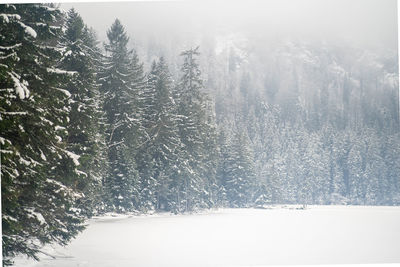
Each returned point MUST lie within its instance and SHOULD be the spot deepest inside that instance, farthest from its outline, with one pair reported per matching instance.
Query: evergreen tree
(221, 171)
(262, 197)
(240, 176)
(38, 201)
(195, 130)
(210, 158)
(159, 155)
(82, 55)
(121, 80)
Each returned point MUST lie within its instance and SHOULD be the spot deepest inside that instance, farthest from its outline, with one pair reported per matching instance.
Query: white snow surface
(318, 235)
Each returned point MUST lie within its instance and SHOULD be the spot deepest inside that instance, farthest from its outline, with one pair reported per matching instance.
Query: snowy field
(237, 237)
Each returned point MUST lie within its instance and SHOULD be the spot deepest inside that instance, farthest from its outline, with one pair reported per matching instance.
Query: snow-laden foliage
(37, 198)
(159, 154)
(238, 172)
(197, 132)
(322, 120)
(80, 55)
(121, 79)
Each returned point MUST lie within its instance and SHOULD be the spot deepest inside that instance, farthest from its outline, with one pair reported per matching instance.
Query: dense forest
(88, 129)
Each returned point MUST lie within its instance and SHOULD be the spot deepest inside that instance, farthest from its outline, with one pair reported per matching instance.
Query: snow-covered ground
(237, 237)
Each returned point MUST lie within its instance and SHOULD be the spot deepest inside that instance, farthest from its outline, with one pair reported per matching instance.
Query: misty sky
(364, 23)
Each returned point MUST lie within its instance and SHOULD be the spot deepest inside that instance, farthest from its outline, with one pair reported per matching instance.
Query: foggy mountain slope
(312, 103)
(301, 72)
(309, 107)
(310, 54)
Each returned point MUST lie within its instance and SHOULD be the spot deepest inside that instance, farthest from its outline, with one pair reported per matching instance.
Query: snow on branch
(66, 92)
(65, 189)
(28, 29)
(6, 17)
(3, 141)
(10, 47)
(81, 173)
(5, 151)
(14, 113)
(36, 215)
(20, 86)
(59, 71)
(71, 155)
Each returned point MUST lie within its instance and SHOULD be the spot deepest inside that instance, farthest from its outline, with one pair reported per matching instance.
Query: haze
(360, 23)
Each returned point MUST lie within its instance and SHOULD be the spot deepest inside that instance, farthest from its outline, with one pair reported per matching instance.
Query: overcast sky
(364, 23)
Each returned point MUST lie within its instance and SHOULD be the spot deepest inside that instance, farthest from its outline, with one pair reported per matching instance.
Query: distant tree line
(86, 131)
(322, 121)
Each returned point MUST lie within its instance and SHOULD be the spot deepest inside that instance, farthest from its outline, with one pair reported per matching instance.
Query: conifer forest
(228, 119)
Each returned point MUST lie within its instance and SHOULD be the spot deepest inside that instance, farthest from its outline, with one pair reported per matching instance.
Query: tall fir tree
(161, 149)
(121, 80)
(221, 170)
(196, 131)
(239, 172)
(38, 201)
(82, 55)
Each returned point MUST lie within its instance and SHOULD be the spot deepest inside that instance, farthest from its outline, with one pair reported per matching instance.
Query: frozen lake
(237, 237)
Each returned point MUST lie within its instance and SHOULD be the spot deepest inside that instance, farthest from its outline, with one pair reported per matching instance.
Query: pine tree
(240, 177)
(38, 201)
(210, 158)
(121, 80)
(144, 157)
(195, 130)
(221, 171)
(82, 55)
(158, 156)
(262, 197)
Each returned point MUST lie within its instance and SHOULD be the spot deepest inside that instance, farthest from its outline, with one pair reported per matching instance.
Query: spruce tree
(196, 130)
(240, 177)
(38, 201)
(82, 55)
(160, 152)
(144, 157)
(121, 80)
(221, 170)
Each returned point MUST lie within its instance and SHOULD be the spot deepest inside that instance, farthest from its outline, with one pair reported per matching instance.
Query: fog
(360, 23)
(295, 77)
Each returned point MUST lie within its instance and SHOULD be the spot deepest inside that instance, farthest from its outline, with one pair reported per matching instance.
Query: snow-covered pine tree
(309, 169)
(37, 200)
(210, 157)
(262, 197)
(82, 55)
(195, 128)
(357, 167)
(144, 158)
(240, 175)
(221, 171)
(160, 152)
(391, 155)
(121, 80)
